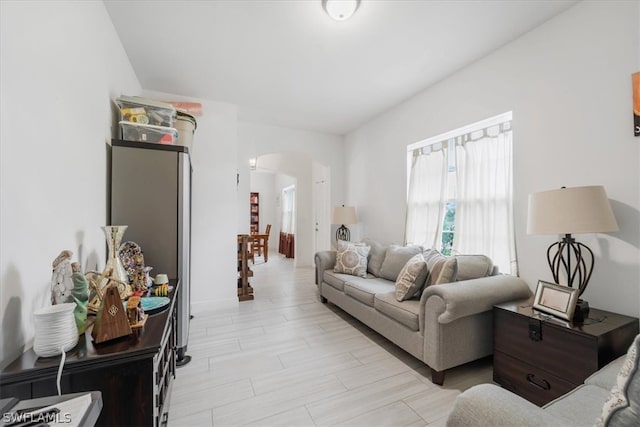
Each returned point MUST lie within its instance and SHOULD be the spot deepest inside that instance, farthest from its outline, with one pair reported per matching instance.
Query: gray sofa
(597, 402)
(449, 325)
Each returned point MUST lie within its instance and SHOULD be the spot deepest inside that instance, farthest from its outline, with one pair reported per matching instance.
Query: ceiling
(286, 63)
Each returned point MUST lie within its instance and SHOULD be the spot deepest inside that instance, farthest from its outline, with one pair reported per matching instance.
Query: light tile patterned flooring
(285, 359)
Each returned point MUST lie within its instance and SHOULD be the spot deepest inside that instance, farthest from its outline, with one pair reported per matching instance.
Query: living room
(567, 82)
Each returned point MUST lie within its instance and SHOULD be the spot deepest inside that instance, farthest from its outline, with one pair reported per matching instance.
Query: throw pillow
(351, 258)
(395, 259)
(473, 267)
(441, 269)
(622, 407)
(411, 278)
(376, 256)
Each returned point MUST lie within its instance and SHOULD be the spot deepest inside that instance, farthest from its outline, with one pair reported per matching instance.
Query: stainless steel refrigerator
(151, 193)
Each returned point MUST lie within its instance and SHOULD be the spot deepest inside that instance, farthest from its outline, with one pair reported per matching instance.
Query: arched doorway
(273, 172)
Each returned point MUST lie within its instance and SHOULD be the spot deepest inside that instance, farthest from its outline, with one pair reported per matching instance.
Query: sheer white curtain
(426, 195)
(484, 217)
(288, 210)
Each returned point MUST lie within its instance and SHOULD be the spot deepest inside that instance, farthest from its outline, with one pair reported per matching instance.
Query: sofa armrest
(475, 296)
(324, 260)
(490, 405)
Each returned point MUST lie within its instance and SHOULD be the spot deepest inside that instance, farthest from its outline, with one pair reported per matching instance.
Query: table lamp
(343, 215)
(570, 211)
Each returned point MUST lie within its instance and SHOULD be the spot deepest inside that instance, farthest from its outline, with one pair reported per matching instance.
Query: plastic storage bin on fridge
(148, 133)
(186, 125)
(146, 111)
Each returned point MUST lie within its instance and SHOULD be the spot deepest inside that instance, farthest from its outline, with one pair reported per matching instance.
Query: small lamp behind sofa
(344, 215)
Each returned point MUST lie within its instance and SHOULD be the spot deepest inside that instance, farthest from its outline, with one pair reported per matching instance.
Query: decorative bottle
(114, 234)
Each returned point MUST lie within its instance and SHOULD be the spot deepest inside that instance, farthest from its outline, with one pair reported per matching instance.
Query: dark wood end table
(540, 357)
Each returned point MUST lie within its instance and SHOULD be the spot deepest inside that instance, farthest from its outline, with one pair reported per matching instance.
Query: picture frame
(557, 300)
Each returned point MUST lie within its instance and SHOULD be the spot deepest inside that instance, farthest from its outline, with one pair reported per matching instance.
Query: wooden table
(541, 358)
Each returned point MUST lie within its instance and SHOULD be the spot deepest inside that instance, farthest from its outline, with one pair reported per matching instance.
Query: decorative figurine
(139, 282)
(161, 290)
(135, 313)
(79, 295)
(148, 279)
(61, 282)
(132, 258)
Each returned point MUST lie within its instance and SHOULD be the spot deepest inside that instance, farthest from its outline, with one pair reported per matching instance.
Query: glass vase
(114, 234)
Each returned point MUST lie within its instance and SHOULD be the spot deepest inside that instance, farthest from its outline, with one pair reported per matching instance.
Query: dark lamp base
(581, 312)
(342, 233)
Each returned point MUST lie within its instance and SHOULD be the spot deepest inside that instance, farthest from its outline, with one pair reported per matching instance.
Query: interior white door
(321, 198)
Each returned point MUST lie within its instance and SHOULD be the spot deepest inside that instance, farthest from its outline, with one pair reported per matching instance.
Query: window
(288, 209)
(459, 192)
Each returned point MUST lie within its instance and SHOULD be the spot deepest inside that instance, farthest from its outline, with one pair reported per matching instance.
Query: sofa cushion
(441, 269)
(622, 406)
(351, 258)
(376, 256)
(394, 260)
(364, 290)
(606, 376)
(411, 278)
(473, 267)
(336, 280)
(405, 312)
(580, 407)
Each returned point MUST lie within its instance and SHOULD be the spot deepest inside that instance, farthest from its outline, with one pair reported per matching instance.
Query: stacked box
(148, 133)
(146, 120)
(146, 111)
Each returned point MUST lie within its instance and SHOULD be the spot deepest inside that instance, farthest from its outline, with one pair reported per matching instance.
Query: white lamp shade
(570, 210)
(344, 215)
(340, 10)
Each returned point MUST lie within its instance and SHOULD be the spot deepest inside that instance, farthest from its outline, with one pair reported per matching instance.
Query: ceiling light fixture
(340, 10)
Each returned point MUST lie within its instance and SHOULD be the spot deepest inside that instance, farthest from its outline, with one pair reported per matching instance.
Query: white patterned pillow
(622, 407)
(351, 258)
(411, 278)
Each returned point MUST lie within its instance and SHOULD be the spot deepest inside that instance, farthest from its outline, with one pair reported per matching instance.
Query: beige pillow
(351, 258)
(395, 259)
(411, 278)
(473, 267)
(376, 256)
(441, 269)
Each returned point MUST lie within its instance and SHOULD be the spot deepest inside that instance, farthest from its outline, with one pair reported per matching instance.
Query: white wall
(568, 85)
(62, 65)
(214, 207)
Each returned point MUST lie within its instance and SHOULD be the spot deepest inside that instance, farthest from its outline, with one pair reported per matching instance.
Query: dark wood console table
(134, 373)
(541, 358)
